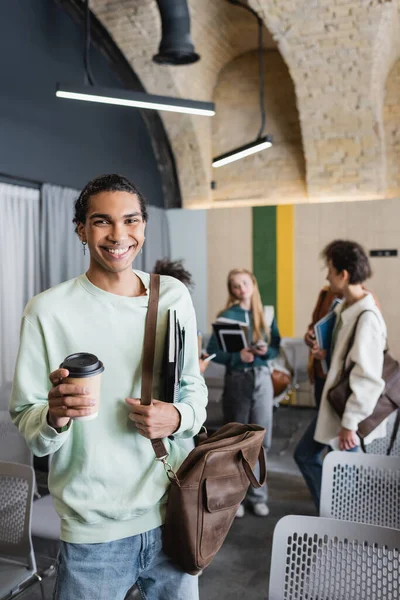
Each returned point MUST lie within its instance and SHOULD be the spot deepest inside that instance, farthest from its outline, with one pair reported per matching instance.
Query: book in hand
(231, 335)
(323, 330)
(173, 358)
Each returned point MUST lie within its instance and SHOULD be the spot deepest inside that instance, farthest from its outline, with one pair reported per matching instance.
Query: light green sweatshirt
(104, 479)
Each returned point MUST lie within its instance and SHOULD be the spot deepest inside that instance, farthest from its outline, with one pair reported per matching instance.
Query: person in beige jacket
(348, 268)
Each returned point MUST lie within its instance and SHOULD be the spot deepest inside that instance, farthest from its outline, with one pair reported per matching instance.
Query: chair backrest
(16, 497)
(13, 447)
(297, 354)
(380, 445)
(359, 487)
(323, 559)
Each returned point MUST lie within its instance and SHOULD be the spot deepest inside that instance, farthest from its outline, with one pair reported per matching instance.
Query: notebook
(231, 335)
(323, 330)
(173, 358)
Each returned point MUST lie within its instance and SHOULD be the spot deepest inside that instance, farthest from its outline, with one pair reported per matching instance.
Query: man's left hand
(157, 420)
(347, 439)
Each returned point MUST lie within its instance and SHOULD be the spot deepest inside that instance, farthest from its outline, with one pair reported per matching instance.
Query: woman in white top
(348, 268)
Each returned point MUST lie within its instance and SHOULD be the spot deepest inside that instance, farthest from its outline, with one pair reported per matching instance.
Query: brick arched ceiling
(220, 32)
(338, 55)
(277, 175)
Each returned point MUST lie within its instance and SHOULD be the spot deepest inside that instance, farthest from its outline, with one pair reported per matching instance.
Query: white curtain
(19, 266)
(62, 255)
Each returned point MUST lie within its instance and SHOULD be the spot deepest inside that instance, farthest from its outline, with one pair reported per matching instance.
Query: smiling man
(107, 487)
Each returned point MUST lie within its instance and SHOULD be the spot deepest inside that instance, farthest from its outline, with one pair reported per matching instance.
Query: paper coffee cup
(85, 370)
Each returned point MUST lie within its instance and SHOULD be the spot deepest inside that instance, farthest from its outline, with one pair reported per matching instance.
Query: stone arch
(276, 175)
(391, 123)
(332, 53)
(220, 32)
(384, 87)
(336, 47)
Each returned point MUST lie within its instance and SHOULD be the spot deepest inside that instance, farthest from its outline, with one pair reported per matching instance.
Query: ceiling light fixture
(90, 92)
(262, 142)
(134, 99)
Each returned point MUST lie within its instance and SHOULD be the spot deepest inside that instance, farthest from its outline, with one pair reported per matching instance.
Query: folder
(323, 330)
(173, 358)
(231, 335)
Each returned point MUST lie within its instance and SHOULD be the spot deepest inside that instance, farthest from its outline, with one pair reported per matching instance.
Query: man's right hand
(67, 400)
(246, 355)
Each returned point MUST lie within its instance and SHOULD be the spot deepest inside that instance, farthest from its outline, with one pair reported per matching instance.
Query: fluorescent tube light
(260, 144)
(134, 99)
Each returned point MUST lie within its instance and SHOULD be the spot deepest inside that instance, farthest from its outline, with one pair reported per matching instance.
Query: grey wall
(188, 241)
(65, 142)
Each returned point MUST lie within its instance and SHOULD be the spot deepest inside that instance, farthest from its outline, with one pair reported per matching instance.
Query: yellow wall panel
(285, 269)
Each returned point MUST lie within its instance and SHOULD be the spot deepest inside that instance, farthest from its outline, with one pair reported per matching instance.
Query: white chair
(381, 445)
(323, 559)
(359, 487)
(17, 560)
(297, 354)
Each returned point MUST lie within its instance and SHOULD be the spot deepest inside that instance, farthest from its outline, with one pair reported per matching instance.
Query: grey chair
(17, 560)
(362, 488)
(13, 447)
(45, 520)
(46, 523)
(323, 559)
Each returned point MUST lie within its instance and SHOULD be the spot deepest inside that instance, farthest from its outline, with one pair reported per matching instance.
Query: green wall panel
(264, 251)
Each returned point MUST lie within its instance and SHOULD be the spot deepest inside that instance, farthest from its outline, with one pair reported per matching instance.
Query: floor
(241, 568)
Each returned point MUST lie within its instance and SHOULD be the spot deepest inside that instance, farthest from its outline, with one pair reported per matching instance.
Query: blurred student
(248, 391)
(348, 268)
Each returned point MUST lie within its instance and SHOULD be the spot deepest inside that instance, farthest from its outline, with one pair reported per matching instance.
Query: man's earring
(84, 244)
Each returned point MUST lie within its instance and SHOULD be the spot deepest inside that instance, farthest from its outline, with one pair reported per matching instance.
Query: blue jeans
(107, 571)
(308, 452)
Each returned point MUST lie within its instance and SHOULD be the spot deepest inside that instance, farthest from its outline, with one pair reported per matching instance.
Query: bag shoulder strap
(394, 433)
(149, 346)
(352, 338)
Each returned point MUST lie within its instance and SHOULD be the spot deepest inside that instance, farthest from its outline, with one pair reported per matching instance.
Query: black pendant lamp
(176, 46)
(262, 142)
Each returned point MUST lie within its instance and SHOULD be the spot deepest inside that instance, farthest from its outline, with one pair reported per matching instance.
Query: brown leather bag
(388, 402)
(209, 486)
(280, 381)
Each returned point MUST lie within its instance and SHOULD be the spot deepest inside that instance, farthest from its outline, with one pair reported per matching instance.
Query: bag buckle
(168, 469)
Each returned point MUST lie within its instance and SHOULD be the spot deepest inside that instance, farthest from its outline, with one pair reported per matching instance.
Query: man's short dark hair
(174, 268)
(106, 183)
(348, 256)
